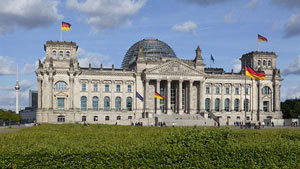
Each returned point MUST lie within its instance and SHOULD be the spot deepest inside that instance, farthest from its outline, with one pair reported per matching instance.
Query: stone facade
(194, 95)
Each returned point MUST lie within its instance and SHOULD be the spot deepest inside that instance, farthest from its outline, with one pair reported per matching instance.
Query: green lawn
(105, 146)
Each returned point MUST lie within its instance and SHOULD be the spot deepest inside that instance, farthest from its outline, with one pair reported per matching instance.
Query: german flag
(255, 75)
(261, 38)
(65, 26)
(157, 95)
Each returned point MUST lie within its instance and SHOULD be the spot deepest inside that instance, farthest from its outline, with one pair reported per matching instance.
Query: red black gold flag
(65, 26)
(255, 75)
(261, 38)
(157, 95)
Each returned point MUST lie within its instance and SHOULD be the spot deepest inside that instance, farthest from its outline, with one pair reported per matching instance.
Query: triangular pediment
(174, 67)
(61, 94)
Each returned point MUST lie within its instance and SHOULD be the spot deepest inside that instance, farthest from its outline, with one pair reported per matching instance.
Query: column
(212, 99)
(222, 97)
(51, 90)
(112, 98)
(191, 107)
(39, 92)
(231, 106)
(242, 99)
(258, 100)
(71, 80)
(158, 111)
(146, 96)
(180, 111)
(169, 111)
(202, 95)
(123, 98)
(277, 97)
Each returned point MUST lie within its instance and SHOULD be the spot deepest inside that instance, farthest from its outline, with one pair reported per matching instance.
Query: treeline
(9, 116)
(291, 108)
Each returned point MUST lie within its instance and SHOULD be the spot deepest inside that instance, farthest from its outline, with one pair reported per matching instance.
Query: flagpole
(245, 94)
(60, 35)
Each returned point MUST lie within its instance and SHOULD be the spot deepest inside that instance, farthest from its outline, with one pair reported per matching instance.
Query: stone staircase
(185, 120)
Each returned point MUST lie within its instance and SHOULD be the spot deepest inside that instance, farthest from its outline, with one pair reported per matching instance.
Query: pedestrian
(173, 124)
(218, 124)
(263, 124)
(272, 124)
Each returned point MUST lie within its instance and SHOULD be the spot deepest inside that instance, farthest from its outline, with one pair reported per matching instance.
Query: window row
(227, 104)
(264, 62)
(227, 90)
(62, 119)
(106, 88)
(106, 102)
(60, 54)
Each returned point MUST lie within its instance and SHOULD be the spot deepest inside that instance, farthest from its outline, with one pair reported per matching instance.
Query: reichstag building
(193, 94)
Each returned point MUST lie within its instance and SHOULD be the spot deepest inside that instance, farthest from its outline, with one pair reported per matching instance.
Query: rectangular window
(246, 91)
(95, 118)
(129, 117)
(217, 90)
(95, 87)
(237, 91)
(83, 118)
(106, 88)
(238, 117)
(227, 90)
(266, 106)
(118, 88)
(207, 90)
(83, 88)
(60, 103)
(106, 118)
(118, 117)
(129, 88)
(61, 119)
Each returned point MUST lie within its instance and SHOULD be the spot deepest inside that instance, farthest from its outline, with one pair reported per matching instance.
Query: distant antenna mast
(17, 88)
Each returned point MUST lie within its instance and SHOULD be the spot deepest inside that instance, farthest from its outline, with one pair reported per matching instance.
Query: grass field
(104, 146)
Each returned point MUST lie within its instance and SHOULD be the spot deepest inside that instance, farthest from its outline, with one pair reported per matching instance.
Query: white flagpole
(60, 34)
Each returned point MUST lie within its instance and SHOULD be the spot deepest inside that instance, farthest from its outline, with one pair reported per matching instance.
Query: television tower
(17, 88)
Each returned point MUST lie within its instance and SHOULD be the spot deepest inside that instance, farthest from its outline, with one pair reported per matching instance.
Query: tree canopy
(9, 116)
(291, 108)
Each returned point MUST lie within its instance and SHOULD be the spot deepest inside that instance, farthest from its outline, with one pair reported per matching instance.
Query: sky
(105, 29)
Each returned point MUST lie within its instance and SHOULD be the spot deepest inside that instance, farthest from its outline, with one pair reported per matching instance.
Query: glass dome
(153, 49)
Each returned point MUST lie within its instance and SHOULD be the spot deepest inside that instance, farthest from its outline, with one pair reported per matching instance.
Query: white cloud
(102, 14)
(292, 28)
(28, 14)
(228, 18)
(290, 92)
(205, 2)
(7, 66)
(29, 68)
(293, 68)
(253, 4)
(186, 27)
(85, 58)
(236, 66)
(8, 99)
(287, 3)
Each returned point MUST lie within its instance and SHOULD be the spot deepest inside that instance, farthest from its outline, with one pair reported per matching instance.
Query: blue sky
(105, 29)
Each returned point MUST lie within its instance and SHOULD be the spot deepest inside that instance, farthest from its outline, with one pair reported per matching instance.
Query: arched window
(106, 103)
(264, 62)
(266, 90)
(54, 54)
(207, 104)
(95, 103)
(83, 101)
(61, 54)
(227, 104)
(68, 54)
(129, 104)
(61, 86)
(217, 104)
(236, 104)
(259, 62)
(118, 104)
(269, 63)
(246, 105)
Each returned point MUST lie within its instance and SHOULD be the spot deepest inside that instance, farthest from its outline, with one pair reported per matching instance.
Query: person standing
(263, 124)
(173, 124)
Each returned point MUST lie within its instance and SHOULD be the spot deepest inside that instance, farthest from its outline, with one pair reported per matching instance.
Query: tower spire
(17, 88)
